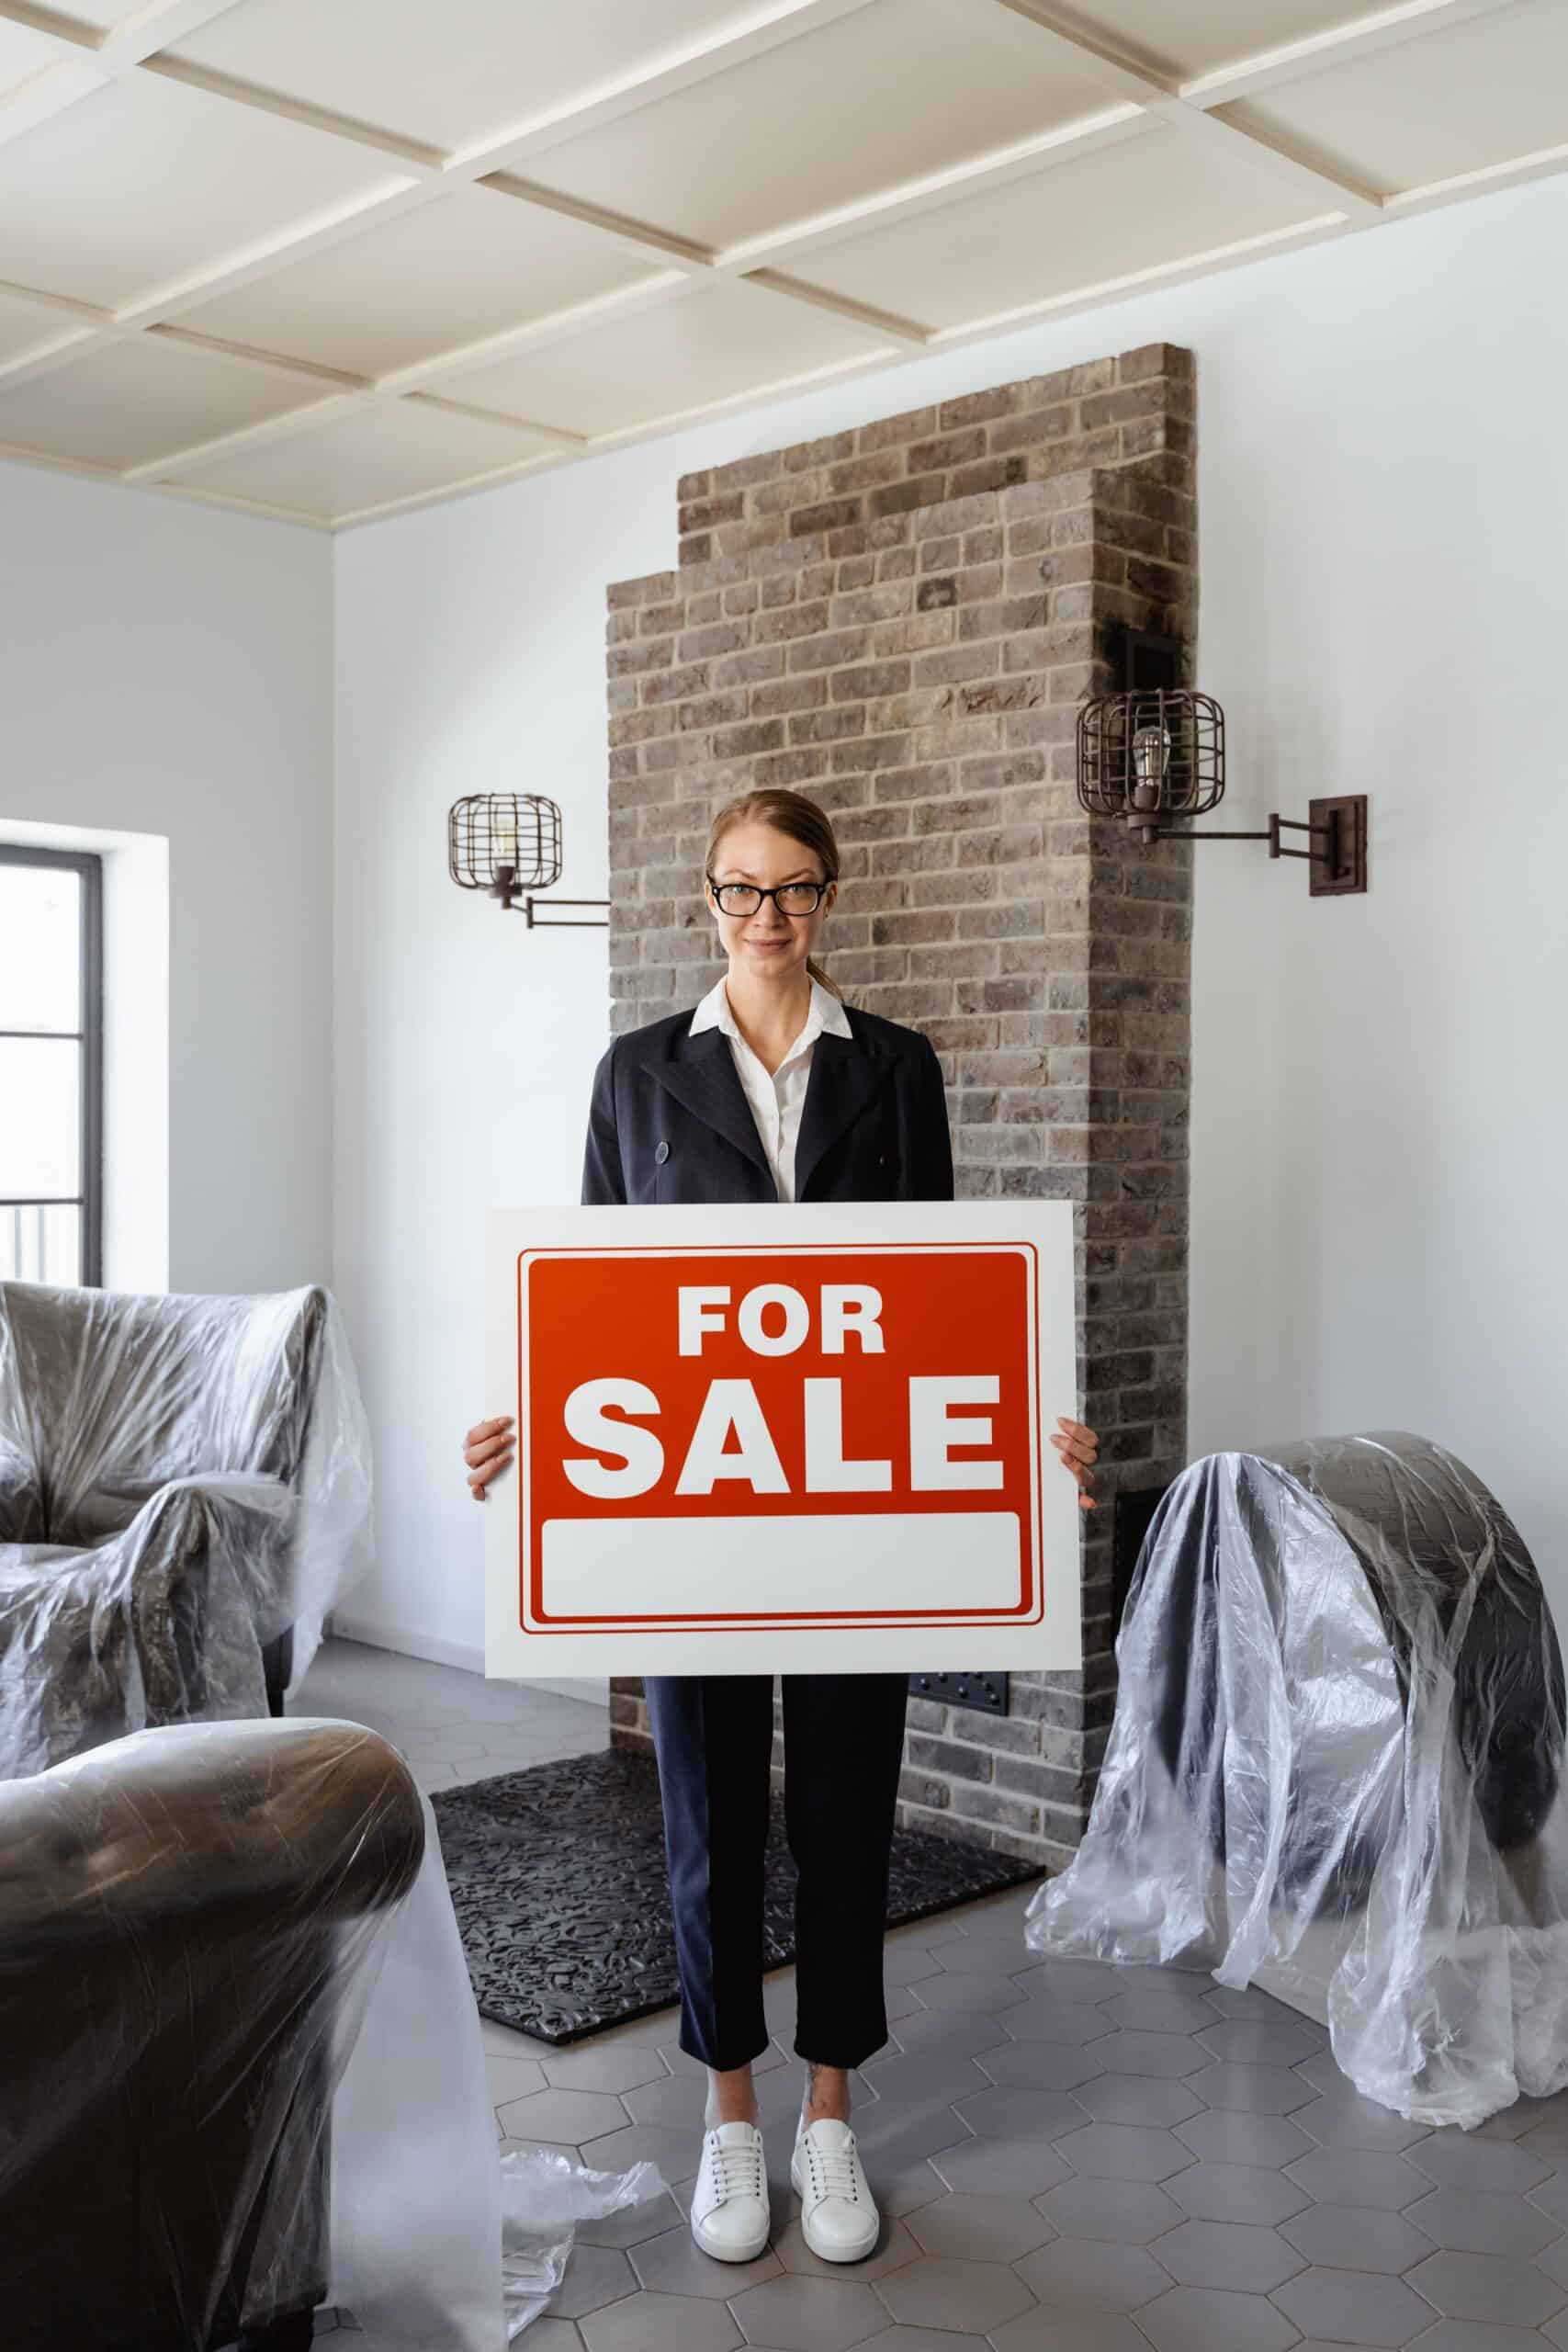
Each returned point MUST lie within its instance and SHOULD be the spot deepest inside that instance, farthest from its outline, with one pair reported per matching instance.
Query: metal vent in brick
(985, 1694)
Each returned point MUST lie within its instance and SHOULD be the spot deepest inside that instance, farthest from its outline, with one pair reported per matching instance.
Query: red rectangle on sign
(808, 1434)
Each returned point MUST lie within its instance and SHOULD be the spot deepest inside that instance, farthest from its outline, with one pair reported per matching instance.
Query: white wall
(166, 672)
(1379, 1125)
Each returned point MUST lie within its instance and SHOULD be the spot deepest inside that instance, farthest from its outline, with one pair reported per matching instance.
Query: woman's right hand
(486, 1450)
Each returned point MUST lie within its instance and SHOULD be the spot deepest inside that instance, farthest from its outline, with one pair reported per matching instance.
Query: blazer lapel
(845, 1074)
(700, 1073)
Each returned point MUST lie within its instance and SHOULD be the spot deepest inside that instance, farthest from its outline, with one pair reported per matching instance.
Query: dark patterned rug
(559, 1883)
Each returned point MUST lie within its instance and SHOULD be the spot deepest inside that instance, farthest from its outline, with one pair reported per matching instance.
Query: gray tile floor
(1070, 2157)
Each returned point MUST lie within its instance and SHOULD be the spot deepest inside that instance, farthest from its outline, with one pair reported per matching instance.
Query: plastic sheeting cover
(1335, 1767)
(181, 1480)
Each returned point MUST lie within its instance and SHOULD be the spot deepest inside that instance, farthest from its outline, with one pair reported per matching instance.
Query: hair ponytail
(817, 973)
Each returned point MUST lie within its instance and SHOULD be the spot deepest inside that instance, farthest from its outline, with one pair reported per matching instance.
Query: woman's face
(768, 945)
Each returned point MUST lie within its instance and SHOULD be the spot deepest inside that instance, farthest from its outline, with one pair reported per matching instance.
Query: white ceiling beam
(93, 57)
(244, 436)
(1126, 77)
(1272, 69)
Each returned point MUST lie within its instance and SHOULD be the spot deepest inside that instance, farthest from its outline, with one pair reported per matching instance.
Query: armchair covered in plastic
(241, 2067)
(1334, 1767)
(183, 1482)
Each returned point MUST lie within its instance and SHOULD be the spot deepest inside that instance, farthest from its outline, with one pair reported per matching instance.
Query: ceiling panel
(140, 184)
(384, 450)
(460, 73)
(27, 328)
(25, 53)
(896, 92)
(1186, 38)
(1152, 200)
(705, 349)
(1451, 102)
(481, 263)
(123, 403)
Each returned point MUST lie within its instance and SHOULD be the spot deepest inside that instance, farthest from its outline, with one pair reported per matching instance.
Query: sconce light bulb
(1151, 765)
(504, 838)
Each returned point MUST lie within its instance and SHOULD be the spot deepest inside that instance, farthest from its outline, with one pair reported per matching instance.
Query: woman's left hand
(1078, 1448)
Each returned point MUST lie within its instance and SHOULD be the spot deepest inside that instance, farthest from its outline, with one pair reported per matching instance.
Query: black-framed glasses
(795, 898)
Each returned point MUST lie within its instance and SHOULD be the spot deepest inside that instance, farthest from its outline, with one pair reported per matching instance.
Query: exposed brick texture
(901, 621)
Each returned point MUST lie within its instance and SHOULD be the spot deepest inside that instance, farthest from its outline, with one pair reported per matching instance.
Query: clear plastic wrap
(544, 2195)
(182, 1479)
(242, 2065)
(1335, 1765)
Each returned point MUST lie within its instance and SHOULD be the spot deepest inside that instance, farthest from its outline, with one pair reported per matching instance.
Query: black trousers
(843, 1745)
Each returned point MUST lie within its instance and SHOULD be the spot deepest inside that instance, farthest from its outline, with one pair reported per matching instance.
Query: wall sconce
(1158, 751)
(508, 843)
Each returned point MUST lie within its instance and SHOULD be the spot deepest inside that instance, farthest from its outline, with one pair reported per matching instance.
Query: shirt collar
(826, 1013)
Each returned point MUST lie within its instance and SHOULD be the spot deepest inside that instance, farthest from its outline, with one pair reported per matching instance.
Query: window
(52, 1059)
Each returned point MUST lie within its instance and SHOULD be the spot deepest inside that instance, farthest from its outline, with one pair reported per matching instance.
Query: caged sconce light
(1156, 750)
(508, 844)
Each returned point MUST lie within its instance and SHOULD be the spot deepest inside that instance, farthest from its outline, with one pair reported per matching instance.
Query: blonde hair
(800, 820)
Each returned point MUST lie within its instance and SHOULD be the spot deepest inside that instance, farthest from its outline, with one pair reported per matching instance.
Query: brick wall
(901, 621)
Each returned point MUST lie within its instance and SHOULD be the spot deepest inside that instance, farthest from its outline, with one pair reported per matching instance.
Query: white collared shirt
(777, 1100)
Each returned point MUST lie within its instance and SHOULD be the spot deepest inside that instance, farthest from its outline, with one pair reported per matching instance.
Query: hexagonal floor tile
(1081, 1980)
(1227, 2137)
(968, 1989)
(673, 2264)
(595, 2275)
(1046, 2331)
(1124, 2212)
(1156, 2010)
(1253, 2090)
(979, 2229)
(926, 2076)
(1353, 2307)
(677, 2154)
(661, 2324)
(1134, 2099)
(1480, 2336)
(1247, 2001)
(1090, 2275)
(1552, 2195)
(1487, 2286)
(510, 2078)
(1043, 2017)
(1345, 2238)
(1474, 2222)
(1166, 2056)
(1237, 2193)
(999, 2167)
(1459, 2160)
(1244, 2256)
(960, 2033)
(1253, 2043)
(1341, 2119)
(1039, 2065)
(1204, 2319)
(967, 2298)
(633, 2224)
(799, 2314)
(1124, 2152)
(573, 2116)
(605, 2066)
(1003, 2113)
(677, 2101)
(1351, 2176)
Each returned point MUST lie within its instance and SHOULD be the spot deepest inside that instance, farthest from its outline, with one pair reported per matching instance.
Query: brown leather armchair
(183, 1916)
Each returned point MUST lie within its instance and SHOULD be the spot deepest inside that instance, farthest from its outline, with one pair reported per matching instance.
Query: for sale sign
(786, 1439)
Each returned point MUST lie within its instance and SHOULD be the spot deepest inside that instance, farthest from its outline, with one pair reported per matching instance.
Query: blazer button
(662, 1154)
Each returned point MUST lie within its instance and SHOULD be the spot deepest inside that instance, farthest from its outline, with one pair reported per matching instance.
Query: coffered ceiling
(329, 259)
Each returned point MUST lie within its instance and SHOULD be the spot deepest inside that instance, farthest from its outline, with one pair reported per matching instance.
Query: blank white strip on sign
(849, 1563)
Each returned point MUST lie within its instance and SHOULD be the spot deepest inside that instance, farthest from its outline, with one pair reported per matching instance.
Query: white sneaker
(837, 2215)
(730, 2204)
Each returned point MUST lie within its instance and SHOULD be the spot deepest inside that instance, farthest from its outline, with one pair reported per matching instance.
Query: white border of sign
(1052, 1644)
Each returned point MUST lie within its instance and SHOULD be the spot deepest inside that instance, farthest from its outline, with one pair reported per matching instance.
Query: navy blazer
(670, 1120)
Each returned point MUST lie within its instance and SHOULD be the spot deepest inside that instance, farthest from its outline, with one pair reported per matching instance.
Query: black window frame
(90, 1200)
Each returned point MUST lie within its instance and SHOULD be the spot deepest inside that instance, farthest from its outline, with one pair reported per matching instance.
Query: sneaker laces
(834, 2171)
(737, 2169)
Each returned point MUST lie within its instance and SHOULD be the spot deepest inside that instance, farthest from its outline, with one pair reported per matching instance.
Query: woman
(773, 1089)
